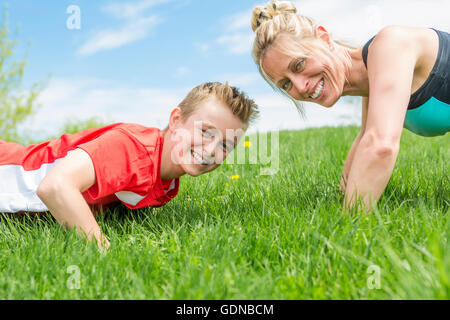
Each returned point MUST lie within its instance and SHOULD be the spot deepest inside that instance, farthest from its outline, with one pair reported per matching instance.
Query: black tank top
(437, 84)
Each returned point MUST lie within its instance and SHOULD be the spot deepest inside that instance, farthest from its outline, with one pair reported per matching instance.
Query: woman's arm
(61, 190)
(391, 63)
(351, 153)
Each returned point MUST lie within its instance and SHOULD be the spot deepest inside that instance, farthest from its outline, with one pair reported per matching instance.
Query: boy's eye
(206, 133)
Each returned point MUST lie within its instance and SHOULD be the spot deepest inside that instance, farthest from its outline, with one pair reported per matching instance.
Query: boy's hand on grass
(61, 191)
(103, 242)
(342, 185)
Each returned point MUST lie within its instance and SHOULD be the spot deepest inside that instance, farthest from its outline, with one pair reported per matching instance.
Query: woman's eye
(286, 85)
(300, 65)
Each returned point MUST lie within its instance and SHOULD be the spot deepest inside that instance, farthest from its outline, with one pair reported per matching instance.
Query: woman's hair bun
(270, 10)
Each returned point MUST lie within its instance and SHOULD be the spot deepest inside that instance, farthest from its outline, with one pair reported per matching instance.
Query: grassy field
(256, 237)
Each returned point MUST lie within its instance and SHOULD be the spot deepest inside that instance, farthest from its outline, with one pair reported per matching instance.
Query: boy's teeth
(198, 158)
(318, 91)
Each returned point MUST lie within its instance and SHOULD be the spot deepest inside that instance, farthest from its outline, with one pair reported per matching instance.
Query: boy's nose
(209, 149)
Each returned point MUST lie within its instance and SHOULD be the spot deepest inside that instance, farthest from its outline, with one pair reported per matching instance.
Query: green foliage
(74, 126)
(16, 104)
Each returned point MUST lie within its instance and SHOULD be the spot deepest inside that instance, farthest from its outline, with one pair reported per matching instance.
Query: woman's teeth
(318, 91)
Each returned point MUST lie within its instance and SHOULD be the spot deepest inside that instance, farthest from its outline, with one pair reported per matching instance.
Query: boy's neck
(168, 169)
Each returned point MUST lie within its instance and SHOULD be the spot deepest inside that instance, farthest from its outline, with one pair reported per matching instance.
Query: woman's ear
(175, 119)
(323, 34)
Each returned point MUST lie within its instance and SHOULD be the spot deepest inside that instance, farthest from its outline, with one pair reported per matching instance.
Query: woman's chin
(328, 103)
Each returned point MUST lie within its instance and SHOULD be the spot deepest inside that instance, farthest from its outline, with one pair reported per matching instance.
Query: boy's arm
(351, 153)
(61, 191)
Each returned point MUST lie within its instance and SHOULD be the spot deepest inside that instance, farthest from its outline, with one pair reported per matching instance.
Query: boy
(128, 163)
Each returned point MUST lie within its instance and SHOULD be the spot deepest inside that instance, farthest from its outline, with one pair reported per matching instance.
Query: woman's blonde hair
(278, 24)
(238, 102)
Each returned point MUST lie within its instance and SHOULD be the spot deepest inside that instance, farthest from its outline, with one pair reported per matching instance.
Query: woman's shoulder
(412, 43)
(420, 43)
(404, 37)
(397, 30)
(394, 34)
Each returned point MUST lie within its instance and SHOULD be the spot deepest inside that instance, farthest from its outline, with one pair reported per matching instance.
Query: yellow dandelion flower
(247, 144)
(235, 177)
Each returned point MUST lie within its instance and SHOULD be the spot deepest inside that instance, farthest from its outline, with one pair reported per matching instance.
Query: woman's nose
(300, 84)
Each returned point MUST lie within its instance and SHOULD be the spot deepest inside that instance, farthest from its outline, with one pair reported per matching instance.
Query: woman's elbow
(381, 147)
(385, 151)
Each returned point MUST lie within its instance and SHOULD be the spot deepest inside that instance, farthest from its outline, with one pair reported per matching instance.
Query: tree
(76, 125)
(16, 104)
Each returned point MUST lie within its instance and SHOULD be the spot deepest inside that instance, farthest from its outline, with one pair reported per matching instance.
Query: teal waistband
(430, 119)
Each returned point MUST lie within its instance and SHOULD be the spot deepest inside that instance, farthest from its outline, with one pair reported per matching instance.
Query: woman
(402, 74)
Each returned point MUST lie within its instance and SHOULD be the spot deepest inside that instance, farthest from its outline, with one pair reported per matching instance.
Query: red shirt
(126, 159)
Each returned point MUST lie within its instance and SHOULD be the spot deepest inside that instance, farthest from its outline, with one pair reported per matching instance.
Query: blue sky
(174, 40)
(134, 60)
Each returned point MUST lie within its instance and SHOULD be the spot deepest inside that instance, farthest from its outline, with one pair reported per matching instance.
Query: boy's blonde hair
(240, 105)
(278, 24)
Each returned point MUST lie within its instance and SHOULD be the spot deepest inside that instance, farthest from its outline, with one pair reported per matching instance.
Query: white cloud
(243, 80)
(238, 21)
(348, 20)
(279, 113)
(137, 26)
(237, 43)
(130, 10)
(357, 21)
(181, 71)
(110, 39)
(238, 37)
(65, 99)
(204, 48)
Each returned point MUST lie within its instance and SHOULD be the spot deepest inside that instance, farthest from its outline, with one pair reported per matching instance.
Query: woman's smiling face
(304, 79)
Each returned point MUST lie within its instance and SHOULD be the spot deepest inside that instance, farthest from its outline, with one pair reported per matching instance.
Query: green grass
(257, 237)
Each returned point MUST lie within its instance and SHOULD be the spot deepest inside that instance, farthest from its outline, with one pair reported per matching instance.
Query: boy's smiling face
(201, 142)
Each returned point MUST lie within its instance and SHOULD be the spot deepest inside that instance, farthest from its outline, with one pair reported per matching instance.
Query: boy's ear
(323, 34)
(175, 119)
